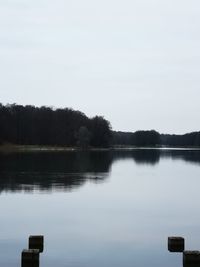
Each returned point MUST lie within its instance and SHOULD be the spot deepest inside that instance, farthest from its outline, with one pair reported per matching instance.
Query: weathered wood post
(36, 242)
(30, 258)
(176, 244)
(191, 258)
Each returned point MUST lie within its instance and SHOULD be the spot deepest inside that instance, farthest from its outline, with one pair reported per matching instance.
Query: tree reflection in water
(68, 170)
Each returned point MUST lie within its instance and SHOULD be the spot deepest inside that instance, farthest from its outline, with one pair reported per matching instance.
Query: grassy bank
(10, 148)
(31, 148)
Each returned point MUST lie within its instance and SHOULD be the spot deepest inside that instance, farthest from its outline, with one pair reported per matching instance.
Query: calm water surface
(100, 208)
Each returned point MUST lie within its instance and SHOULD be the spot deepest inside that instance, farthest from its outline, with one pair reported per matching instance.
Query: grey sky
(137, 62)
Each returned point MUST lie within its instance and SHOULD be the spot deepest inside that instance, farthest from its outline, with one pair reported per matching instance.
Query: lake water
(95, 209)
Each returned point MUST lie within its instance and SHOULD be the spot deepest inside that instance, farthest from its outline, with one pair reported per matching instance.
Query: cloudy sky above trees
(136, 62)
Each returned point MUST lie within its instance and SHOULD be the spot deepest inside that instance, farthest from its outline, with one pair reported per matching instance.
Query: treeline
(139, 138)
(189, 139)
(30, 125)
(153, 138)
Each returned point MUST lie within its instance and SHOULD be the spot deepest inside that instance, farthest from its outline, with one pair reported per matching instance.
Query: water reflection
(47, 171)
(140, 156)
(153, 156)
(69, 170)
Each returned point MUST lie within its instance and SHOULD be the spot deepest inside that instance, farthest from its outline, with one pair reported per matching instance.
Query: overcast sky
(136, 62)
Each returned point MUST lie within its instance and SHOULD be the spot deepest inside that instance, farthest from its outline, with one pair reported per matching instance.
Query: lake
(100, 208)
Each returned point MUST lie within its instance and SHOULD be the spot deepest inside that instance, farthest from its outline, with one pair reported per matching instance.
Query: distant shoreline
(9, 148)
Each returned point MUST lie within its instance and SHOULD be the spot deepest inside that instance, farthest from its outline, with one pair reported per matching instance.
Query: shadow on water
(48, 171)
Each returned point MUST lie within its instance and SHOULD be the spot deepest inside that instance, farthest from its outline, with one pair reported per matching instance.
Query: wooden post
(191, 258)
(176, 244)
(30, 258)
(36, 242)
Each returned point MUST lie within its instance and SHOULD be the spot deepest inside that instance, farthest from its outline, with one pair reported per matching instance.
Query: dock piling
(176, 244)
(30, 258)
(36, 242)
(191, 258)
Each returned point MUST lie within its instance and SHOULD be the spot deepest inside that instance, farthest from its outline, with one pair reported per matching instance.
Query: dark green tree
(83, 137)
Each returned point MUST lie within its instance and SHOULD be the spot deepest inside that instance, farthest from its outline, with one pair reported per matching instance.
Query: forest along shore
(45, 128)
